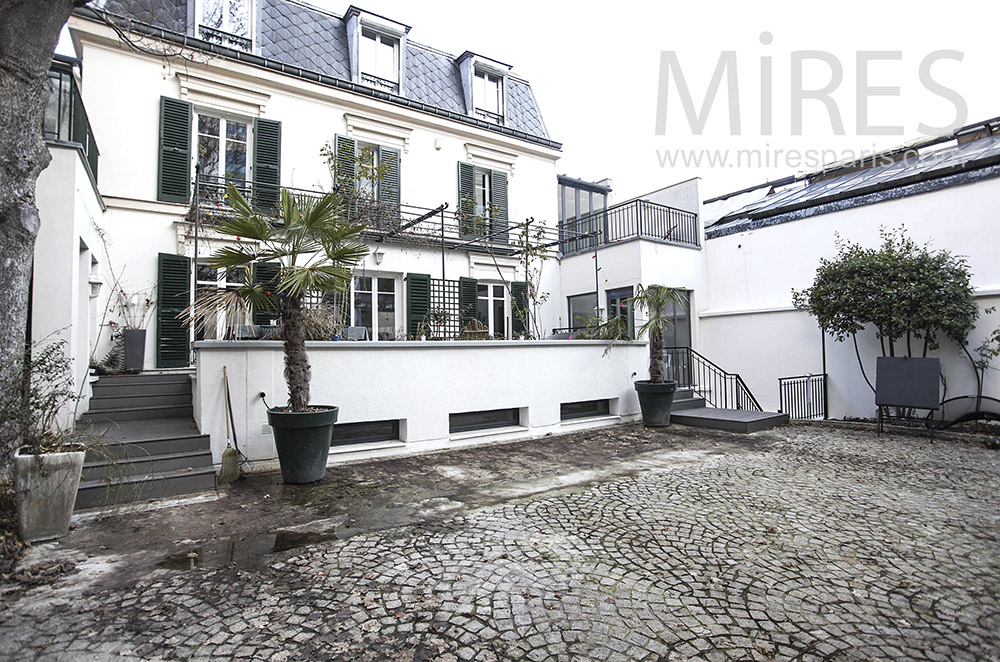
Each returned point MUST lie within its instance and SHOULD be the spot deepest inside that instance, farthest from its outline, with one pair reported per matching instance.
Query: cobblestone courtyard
(804, 542)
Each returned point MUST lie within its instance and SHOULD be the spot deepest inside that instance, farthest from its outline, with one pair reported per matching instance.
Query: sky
(599, 75)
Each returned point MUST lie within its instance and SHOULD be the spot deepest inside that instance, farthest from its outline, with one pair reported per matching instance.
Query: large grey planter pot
(655, 400)
(46, 491)
(135, 349)
(302, 440)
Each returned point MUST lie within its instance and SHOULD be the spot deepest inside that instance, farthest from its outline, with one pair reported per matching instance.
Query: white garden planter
(46, 488)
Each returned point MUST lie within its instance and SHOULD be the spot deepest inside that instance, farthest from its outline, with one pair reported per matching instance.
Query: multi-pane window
(374, 306)
(380, 60)
(227, 22)
(577, 222)
(368, 169)
(222, 149)
(492, 308)
(209, 281)
(620, 306)
(487, 96)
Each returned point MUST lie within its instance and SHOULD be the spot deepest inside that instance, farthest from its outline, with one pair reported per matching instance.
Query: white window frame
(224, 119)
(221, 282)
(484, 183)
(482, 93)
(370, 65)
(397, 290)
(490, 299)
(226, 28)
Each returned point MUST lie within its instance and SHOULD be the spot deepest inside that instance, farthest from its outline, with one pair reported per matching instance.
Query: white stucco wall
(749, 325)
(420, 384)
(126, 127)
(67, 243)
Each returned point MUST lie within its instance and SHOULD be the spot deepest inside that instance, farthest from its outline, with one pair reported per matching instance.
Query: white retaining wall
(419, 384)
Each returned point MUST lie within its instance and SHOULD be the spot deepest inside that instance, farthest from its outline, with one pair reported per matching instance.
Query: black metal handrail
(386, 221)
(803, 397)
(630, 220)
(721, 389)
(65, 117)
(223, 38)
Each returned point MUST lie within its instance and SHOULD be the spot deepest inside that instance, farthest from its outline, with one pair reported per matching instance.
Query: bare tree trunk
(29, 31)
(297, 370)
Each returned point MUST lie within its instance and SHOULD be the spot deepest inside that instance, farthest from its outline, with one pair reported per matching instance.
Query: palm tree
(658, 300)
(316, 250)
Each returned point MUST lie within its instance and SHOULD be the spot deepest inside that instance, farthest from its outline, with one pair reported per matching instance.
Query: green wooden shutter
(498, 196)
(266, 163)
(418, 301)
(267, 273)
(173, 182)
(519, 307)
(390, 186)
(345, 166)
(466, 199)
(173, 293)
(468, 299)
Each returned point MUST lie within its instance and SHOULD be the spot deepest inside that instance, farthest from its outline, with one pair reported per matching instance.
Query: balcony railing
(637, 219)
(803, 397)
(380, 83)
(65, 118)
(423, 226)
(227, 39)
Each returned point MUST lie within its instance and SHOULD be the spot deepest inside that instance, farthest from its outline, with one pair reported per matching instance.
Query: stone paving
(817, 543)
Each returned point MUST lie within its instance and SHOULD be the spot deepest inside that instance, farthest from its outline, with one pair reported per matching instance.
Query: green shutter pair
(346, 172)
(467, 203)
(174, 163)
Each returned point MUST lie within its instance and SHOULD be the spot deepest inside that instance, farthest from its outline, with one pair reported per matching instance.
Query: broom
(230, 470)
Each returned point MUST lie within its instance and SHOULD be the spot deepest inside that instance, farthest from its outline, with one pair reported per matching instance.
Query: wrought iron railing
(630, 220)
(380, 83)
(483, 114)
(803, 397)
(223, 38)
(65, 117)
(721, 389)
(387, 222)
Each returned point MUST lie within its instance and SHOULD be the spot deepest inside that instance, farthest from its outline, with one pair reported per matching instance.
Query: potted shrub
(311, 248)
(656, 395)
(48, 459)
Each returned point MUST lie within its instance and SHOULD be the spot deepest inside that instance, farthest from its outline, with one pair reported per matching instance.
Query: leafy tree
(659, 302)
(911, 295)
(29, 31)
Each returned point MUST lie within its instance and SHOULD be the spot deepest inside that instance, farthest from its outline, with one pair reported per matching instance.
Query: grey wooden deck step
(150, 446)
(141, 487)
(730, 420)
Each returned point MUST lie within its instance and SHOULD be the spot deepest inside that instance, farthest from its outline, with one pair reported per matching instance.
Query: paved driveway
(805, 542)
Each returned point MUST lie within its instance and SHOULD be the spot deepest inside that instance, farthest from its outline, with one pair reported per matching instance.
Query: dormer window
(487, 95)
(227, 23)
(380, 60)
(484, 82)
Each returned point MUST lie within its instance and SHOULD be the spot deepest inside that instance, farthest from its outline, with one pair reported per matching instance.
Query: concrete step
(730, 420)
(145, 448)
(141, 487)
(101, 389)
(137, 413)
(114, 468)
(132, 401)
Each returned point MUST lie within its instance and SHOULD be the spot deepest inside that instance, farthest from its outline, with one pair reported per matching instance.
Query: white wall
(68, 240)
(420, 384)
(682, 195)
(749, 325)
(126, 127)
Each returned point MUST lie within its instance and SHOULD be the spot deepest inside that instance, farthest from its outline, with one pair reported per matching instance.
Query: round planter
(46, 492)
(302, 440)
(655, 400)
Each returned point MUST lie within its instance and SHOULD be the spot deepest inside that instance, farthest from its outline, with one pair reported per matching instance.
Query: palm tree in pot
(656, 395)
(312, 248)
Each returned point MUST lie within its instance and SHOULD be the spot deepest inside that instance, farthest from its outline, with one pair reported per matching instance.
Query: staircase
(150, 446)
(702, 383)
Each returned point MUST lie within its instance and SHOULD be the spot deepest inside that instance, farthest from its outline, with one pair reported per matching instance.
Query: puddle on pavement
(246, 550)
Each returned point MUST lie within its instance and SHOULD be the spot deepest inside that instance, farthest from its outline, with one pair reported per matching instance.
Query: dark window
(358, 433)
(584, 409)
(483, 420)
(582, 310)
(620, 305)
